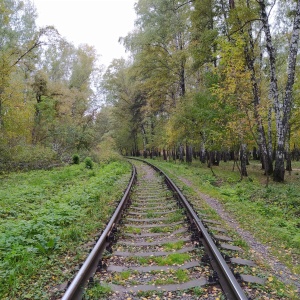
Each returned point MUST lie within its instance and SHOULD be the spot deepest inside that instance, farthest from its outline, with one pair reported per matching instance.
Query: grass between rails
(44, 215)
(271, 213)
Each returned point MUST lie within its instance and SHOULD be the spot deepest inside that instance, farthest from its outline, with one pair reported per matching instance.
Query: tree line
(49, 90)
(207, 77)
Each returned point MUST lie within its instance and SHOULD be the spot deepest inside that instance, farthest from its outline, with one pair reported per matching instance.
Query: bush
(76, 159)
(27, 157)
(105, 152)
(88, 163)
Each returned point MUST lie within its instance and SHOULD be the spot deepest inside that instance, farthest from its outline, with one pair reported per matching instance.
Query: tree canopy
(210, 79)
(215, 76)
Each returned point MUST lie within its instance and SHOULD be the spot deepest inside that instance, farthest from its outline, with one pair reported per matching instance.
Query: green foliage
(172, 259)
(175, 217)
(75, 159)
(47, 247)
(134, 230)
(88, 163)
(181, 275)
(275, 209)
(105, 152)
(27, 156)
(160, 229)
(173, 246)
(97, 291)
(44, 214)
(198, 291)
(296, 241)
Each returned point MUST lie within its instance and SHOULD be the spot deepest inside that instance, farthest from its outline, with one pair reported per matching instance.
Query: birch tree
(282, 106)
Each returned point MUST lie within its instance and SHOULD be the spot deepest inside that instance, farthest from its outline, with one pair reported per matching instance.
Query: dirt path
(279, 269)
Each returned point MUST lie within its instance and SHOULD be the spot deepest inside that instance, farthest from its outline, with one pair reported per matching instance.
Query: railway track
(156, 247)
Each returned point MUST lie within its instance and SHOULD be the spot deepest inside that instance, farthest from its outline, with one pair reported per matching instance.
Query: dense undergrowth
(46, 217)
(271, 213)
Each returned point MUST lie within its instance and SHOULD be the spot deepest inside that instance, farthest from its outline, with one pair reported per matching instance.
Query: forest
(209, 80)
(206, 82)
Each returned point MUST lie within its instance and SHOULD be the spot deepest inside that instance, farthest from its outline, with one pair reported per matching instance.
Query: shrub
(88, 163)
(76, 159)
(106, 152)
(27, 157)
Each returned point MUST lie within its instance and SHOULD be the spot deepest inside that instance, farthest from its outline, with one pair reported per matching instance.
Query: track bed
(158, 248)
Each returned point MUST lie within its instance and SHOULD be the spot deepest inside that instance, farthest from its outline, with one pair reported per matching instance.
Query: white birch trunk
(282, 110)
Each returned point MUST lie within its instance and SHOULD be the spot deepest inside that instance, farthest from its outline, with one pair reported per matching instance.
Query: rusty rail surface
(76, 288)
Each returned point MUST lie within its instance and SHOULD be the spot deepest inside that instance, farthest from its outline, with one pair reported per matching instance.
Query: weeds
(134, 230)
(175, 217)
(272, 214)
(173, 246)
(44, 214)
(98, 291)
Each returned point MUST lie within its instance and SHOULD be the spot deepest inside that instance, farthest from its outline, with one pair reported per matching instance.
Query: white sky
(95, 22)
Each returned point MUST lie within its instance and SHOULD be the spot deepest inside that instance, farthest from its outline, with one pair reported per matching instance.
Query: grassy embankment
(47, 219)
(271, 214)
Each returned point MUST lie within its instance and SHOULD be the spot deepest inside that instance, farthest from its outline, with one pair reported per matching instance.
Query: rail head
(76, 288)
(230, 286)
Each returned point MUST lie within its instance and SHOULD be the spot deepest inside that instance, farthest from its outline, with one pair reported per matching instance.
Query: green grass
(151, 214)
(97, 292)
(182, 275)
(198, 291)
(160, 229)
(43, 217)
(175, 217)
(163, 281)
(173, 276)
(121, 277)
(134, 230)
(271, 213)
(173, 246)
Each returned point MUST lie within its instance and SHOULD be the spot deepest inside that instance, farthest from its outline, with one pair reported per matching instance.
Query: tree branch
(246, 23)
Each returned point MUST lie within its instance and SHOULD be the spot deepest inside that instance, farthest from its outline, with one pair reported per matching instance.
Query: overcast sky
(96, 22)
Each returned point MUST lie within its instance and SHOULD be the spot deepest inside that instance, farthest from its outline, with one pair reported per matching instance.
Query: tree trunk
(145, 139)
(182, 80)
(262, 140)
(243, 158)
(282, 108)
(288, 153)
(189, 154)
(164, 154)
(254, 153)
(202, 152)
(181, 153)
(209, 159)
(289, 162)
(174, 154)
(145, 153)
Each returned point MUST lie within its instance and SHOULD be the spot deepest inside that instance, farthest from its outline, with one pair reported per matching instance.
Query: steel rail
(76, 288)
(228, 282)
